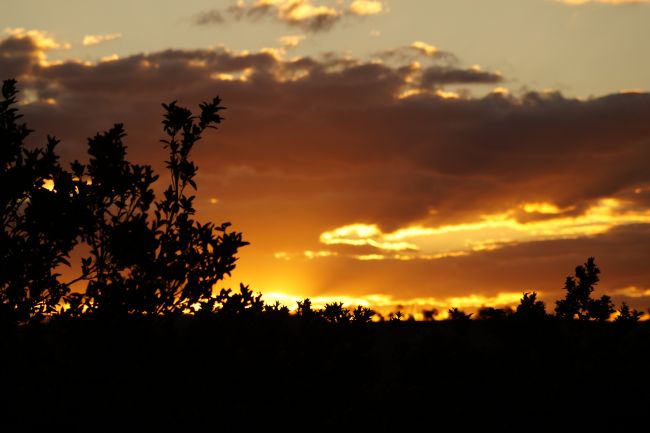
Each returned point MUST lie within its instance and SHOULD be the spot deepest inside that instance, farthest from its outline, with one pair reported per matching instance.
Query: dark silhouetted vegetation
(152, 343)
(578, 302)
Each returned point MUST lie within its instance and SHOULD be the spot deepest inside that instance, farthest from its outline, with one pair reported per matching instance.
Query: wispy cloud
(291, 41)
(305, 14)
(98, 39)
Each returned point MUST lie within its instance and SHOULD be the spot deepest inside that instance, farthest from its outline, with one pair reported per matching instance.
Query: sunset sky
(422, 153)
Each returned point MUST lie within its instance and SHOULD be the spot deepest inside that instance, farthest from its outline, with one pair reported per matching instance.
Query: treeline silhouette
(149, 344)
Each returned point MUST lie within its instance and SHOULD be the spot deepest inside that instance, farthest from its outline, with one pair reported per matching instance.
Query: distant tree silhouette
(456, 314)
(578, 302)
(530, 308)
(429, 315)
(362, 314)
(334, 312)
(304, 310)
(627, 315)
(491, 313)
(244, 302)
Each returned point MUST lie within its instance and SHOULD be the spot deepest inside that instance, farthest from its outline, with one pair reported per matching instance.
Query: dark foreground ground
(234, 374)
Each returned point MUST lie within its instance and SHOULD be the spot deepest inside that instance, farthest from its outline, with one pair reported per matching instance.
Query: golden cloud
(491, 232)
(39, 38)
(291, 41)
(98, 39)
(366, 7)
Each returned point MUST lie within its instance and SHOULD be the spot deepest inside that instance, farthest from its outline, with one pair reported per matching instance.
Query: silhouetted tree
(39, 225)
(578, 302)
(335, 313)
(491, 313)
(244, 302)
(146, 256)
(304, 310)
(627, 315)
(456, 314)
(160, 263)
(429, 315)
(530, 308)
(117, 197)
(362, 314)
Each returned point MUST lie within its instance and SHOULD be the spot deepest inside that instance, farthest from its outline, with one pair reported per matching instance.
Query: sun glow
(386, 303)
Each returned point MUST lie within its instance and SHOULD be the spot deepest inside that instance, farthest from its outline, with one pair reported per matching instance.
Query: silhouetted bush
(40, 227)
(578, 302)
(491, 313)
(530, 308)
(627, 315)
(429, 315)
(147, 256)
(456, 314)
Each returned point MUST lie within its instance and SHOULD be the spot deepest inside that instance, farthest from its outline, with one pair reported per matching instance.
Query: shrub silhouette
(627, 315)
(491, 313)
(147, 256)
(456, 314)
(578, 301)
(530, 308)
(429, 315)
(40, 227)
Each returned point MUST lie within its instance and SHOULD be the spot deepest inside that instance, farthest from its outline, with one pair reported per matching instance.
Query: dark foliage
(627, 315)
(264, 373)
(578, 302)
(147, 255)
(40, 227)
(491, 313)
(456, 314)
(530, 308)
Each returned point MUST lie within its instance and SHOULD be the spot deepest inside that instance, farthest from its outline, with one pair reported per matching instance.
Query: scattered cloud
(38, 38)
(212, 16)
(366, 7)
(416, 50)
(437, 75)
(633, 292)
(424, 48)
(291, 41)
(89, 40)
(305, 14)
